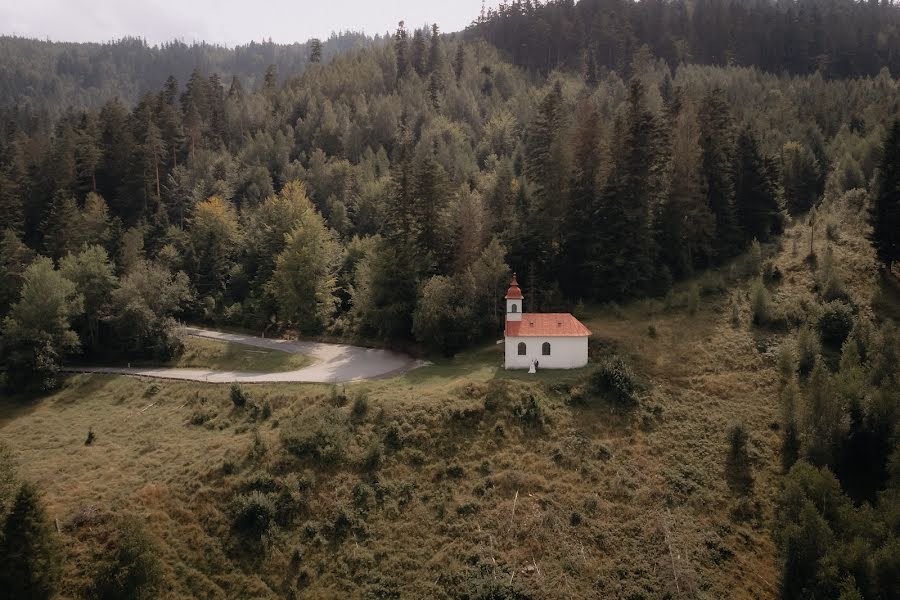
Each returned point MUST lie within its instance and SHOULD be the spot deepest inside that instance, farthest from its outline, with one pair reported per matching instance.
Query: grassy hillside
(459, 479)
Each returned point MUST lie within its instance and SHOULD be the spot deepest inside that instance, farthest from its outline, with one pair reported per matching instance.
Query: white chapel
(554, 340)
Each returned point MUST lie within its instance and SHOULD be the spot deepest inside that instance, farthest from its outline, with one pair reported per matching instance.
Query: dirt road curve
(335, 363)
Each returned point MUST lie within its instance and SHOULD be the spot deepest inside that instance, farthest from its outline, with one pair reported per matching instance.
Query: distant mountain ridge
(53, 76)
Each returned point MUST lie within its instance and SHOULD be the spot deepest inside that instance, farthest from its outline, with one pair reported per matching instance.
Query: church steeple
(514, 301)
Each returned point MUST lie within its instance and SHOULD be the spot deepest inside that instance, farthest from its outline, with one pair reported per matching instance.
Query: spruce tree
(717, 144)
(30, 557)
(401, 50)
(315, 50)
(684, 225)
(625, 250)
(885, 212)
(419, 53)
(756, 194)
(579, 233)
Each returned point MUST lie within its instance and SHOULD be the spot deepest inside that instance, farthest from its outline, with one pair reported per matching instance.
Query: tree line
(837, 38)
(388, 194)
(45, 77)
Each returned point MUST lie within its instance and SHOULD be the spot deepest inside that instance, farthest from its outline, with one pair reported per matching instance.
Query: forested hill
(837, 38)
(58, 75)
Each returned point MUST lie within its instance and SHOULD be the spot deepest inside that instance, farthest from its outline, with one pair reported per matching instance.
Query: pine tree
(684, 225)
(30, 557)
(419, 53)
(756, 194)
(88, 151)
(315, 50)
(12, 210)
(459, 62)
(270, 81)
(401, 50)
(717, 144)
(800, 172)
(625, 248)
(885, 212)
(546, 169)
(579, 233)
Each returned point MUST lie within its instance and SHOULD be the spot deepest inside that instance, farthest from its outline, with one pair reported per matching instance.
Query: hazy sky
(223, 21)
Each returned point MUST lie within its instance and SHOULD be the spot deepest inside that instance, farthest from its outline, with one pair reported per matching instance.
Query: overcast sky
(224, 21)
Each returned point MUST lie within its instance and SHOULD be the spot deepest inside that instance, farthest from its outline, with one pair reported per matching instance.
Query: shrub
(760, 303)
(338, 396)
(393, 438)
(133, 569)
(808, 348)
(737, 462)
(238, 397)
(615, 380)
(530, 410)
(360, 406)
(755, 259)
(252, 513)
(771, 273)
(787, 364)
(735, 311)
(266, 410)
(832, 231)
(372, 458)
(321, 435)
(693, 299)
(835, 323)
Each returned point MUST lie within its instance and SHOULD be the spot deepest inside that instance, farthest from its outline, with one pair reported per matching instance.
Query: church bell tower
(514, 301)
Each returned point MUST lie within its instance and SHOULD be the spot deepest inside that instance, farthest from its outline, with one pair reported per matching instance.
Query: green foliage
(304, 279)
(885, 212)
(615, 381)
(800, 177)
(238, 396)
(37, 332)
(693, 299)
(317, 434)
(360, 406)
(530, 410)
(252, 513)
(30, 555)
(787, 361)
(835, 323)
(760, 303)
(130, 567)
(827, 542)
(144, 304)
(807, 348)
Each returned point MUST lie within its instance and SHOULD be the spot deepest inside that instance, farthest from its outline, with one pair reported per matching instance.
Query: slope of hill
(458, 480)
(54, 77)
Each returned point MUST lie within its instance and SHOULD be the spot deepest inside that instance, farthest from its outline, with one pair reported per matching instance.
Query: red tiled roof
(546, 325)
(514, 292)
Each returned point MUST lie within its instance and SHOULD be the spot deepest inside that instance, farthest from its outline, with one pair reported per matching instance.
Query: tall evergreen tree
(885, 213)
(30, 557)
(401, 50)
(625, 248)
(717, 144)
(315, 50)
(580, 230)
(756, 194)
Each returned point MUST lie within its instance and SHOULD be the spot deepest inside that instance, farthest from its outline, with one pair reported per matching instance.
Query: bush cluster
(615, 380)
